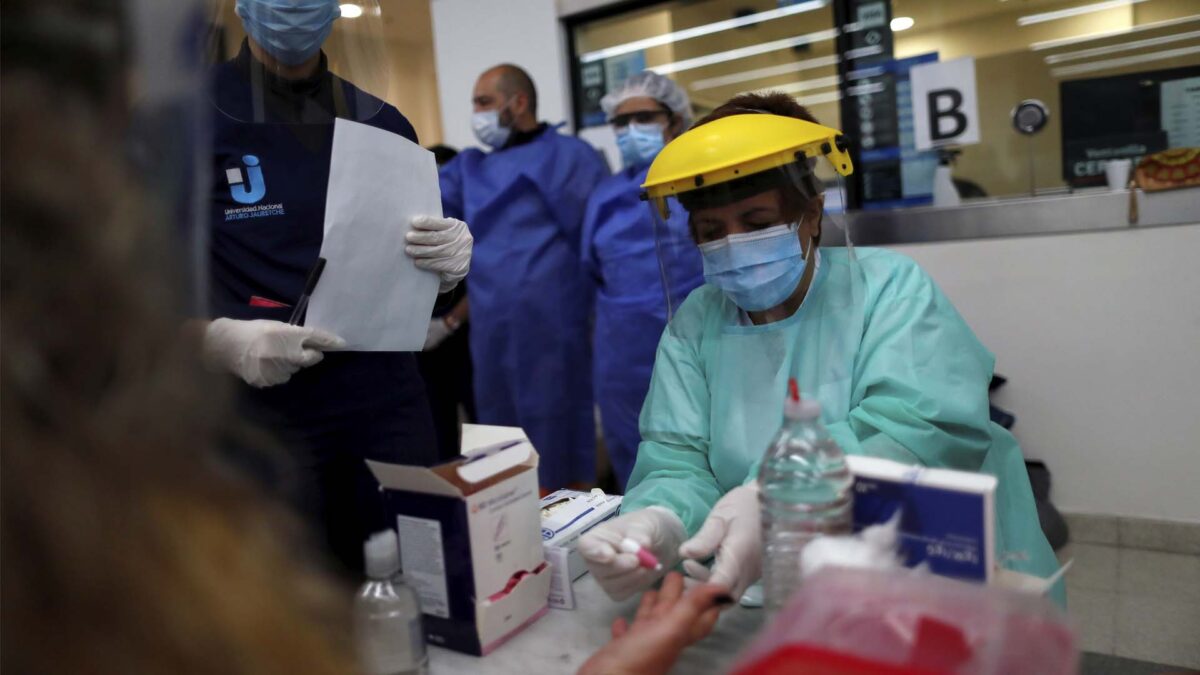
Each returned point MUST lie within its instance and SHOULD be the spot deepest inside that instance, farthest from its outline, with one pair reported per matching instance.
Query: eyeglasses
(639, 117)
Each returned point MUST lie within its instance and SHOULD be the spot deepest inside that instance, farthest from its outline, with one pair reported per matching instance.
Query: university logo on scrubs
(253, 189)
(249, 191)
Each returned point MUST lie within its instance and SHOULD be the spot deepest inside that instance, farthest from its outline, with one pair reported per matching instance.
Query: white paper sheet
(371, 294)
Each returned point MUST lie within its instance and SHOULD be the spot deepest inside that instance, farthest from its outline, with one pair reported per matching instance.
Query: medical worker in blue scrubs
(866, 332)
(531, 300)
(645, 112)
(276, 102)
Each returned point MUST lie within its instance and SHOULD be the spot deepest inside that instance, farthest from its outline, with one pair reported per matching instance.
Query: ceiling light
(1074, 11)
(1154, 25)
(1124, 61)
(351, 10)
(760, 73)
(706, 29)
(902, 23)
(1122, 47)
(743, 52)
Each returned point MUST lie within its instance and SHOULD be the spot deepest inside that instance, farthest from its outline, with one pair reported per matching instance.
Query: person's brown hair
(127, 547)
(770, 103)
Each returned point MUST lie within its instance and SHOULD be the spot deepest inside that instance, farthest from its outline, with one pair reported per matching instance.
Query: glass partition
(1060, 86)
(1103, 80)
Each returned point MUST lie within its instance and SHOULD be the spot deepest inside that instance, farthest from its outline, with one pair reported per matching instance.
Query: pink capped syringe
(645, 558)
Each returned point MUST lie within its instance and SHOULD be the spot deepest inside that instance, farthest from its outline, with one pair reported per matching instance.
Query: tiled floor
(1131, 601)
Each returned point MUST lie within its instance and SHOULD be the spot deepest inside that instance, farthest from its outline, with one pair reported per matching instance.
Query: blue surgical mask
(640, 143)
(292, 31)
(757, 270)
(486, 125)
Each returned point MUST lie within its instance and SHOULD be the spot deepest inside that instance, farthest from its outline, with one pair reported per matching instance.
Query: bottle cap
(382, 553)
(797, 408)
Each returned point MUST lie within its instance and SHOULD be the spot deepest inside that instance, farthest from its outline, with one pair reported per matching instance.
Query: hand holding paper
(441, 245)
(372, 293)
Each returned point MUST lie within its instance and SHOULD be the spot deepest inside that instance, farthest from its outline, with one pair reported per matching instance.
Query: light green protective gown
(898, 372)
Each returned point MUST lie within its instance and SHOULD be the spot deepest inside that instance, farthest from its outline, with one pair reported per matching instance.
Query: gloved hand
(734, 532)
(654, 528)
(442, 245)
(439, 330)
(264, 353)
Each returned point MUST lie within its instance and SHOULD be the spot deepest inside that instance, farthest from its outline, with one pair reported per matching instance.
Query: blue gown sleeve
(450, 181)
(584, 171)
(587, 247)
(672, 468)
(919, 391)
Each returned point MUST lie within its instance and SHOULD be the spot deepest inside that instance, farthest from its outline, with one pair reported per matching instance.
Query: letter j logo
(253, 189)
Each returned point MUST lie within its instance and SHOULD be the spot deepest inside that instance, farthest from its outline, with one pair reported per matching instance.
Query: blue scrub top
(620, 252)
(530, 301)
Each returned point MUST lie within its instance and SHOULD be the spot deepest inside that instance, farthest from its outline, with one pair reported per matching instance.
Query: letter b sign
(945, 114)
(944, 104)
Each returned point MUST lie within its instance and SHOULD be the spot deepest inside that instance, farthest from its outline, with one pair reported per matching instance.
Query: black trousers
(329, 419)
(446, 371)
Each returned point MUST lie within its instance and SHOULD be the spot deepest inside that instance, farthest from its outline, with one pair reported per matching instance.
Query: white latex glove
(264, 353)
(441, 245)
(734, 532)
(654, 528)
(439, 330)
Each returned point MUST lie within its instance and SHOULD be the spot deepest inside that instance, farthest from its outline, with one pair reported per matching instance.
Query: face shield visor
(298, 61)
(749, 227)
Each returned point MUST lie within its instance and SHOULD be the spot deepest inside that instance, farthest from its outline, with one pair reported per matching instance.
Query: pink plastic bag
(912, 623)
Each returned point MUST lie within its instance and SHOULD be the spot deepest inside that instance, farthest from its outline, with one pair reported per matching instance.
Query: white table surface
(562, 640)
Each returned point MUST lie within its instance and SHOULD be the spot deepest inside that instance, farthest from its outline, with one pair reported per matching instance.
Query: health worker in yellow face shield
(897, 371)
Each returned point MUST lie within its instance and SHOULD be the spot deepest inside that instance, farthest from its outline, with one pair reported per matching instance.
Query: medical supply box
(566, 515)
(947, 517)
(470, 541)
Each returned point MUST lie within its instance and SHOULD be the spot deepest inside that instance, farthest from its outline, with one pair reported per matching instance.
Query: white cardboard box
(470, 541)
(577, 513)
(947, 517)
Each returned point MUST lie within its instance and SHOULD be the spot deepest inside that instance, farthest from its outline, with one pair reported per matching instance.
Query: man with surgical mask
(277, 101)
(530, 301)
(646, 112)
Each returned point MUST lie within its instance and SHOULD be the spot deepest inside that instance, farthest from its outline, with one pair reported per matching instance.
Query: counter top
(562, 640)
(1082, 211)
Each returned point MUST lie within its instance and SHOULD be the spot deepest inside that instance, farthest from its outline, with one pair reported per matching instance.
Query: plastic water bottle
(805, 490)
(387, 614)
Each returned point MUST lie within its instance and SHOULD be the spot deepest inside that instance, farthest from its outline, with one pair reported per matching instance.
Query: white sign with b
(945, 107)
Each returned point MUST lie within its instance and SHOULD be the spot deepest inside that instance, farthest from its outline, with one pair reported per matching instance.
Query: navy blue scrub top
(271, 170)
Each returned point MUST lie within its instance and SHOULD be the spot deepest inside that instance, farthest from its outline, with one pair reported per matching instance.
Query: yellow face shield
(739, 147)
(737, 175)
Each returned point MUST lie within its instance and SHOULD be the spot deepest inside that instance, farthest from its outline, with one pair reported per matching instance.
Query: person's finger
(309, 357)
(671, 589)
(438, 265)
(321, 339)
(727, 572)
(646, 606)
(619, 627)
(432, 223)
(599, 545)
(621, 565)
(701, 546)
(698, 610)
(706, 596)
(703, 625)
(430, 237)
(696, 570)
(448, 250)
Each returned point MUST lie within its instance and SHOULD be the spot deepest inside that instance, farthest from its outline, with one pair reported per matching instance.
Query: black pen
(314, 275)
